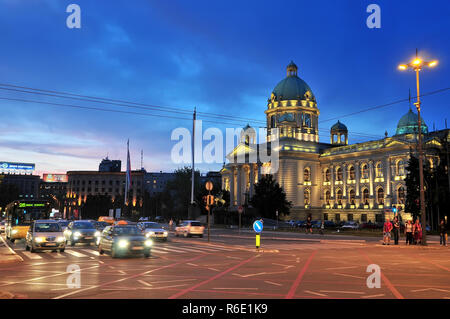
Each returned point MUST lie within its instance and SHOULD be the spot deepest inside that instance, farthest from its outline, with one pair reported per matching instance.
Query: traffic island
(7, 254)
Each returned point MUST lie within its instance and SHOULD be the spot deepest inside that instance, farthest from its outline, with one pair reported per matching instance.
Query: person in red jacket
(387, 228)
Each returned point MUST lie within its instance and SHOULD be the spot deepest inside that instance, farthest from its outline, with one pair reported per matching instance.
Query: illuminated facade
(334, 181)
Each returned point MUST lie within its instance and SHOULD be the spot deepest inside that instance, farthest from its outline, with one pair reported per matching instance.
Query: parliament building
(335, 181)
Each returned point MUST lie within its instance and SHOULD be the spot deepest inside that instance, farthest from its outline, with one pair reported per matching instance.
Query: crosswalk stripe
(75, 253)
(157, 251)
(91, 251)
(31, 255)
(57, 255)
(172, 250)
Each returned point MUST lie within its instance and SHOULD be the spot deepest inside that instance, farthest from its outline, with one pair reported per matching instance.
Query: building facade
(331, 181)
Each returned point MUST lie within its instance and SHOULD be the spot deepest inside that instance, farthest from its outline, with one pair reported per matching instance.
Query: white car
(153, 230)
(350, 225)
(45, 235)
(189, 228)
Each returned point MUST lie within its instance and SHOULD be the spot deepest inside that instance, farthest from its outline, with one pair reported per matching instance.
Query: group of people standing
(413, 232)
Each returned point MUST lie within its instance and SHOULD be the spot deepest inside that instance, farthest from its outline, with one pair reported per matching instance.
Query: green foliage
(270, 197)
(8, 193)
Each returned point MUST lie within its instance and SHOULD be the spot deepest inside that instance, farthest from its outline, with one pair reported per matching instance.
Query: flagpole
(193, 158)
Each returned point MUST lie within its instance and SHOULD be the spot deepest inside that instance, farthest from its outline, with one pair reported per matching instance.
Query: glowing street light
(417, 64)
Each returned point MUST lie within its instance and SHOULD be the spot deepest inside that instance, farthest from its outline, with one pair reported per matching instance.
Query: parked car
(316, 223)
(350, 225)
(124, 240)
(81, 231)
(45, 235)
(153, 230)
(2, 226)
(300, 223)
(329, 224)
(189, 228)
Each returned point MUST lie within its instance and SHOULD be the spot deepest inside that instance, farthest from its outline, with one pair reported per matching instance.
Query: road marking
(165, 287)
(90, 251)
(373, 296)
(260, 273)
(183, 292)
(31, 255)
(172, 250)
(338, 268)
(58, 255)
(190, 264)
(144, 283)
(343, 292)
(122, 279)
(297, 281)
(285, 266)
(158, 251)
(272, 283)
(176, 280)
(314, 293)
(232, 257)
(75, 253)
(213, 269)
(235, 288)
(428, 289)
(345, 275)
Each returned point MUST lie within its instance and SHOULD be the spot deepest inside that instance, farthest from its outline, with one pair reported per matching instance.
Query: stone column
(344, 180)
(332, 181)
(371, 177)
(232, 186)
(388, 176)
(239, 185)
(252, 180)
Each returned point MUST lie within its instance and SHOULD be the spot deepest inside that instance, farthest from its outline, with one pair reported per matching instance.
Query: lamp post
(417, 64)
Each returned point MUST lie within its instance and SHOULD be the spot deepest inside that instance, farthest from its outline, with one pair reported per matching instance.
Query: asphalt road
(229, 267)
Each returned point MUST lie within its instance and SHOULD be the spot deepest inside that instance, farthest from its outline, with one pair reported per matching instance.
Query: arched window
(339, 197)
(400, 168)
(351, 173)
(307, 175)
(366, 196)
(378, 170)
(380, 196)
(273, 121)
(306, 197)
(327, 175)
(339, 174)
(327, 197)
(352, 196)
(401, 195)
(364, 171)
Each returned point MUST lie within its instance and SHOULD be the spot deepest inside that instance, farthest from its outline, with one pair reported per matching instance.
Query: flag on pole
(128, 173)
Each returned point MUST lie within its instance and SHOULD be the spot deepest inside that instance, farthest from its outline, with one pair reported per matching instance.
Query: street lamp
(417, 64)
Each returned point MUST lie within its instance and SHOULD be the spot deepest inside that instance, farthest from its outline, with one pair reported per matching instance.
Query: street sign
(209, 185)
(240, 209)
(258, 226)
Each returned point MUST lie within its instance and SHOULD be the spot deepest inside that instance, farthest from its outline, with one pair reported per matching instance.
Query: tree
(412, 182)
(96, 206)
(270, 197)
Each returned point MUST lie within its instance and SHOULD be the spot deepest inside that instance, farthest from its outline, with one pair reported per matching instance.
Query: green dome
(339, 127)
(408, 124)
(292, 87)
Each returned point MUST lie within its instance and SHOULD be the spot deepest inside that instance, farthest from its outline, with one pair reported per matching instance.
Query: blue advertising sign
(16, 166)
(258, 226)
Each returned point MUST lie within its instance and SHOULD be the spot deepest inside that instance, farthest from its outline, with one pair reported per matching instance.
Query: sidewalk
(7, 255)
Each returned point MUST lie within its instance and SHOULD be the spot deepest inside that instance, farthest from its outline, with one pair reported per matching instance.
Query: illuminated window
(306, 197)
(352, 196)
(364, 171)
(339, 197)
(400, 168)
(327, 175)
(327, 197)
(339, 174)
(380, 196)
(401, 195)
(307, 175)
(378, 170)
(351, 173)
(365, 196)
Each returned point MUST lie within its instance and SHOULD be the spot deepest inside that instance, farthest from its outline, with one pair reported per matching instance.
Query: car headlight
(14, 231)
(77, 234)
(39, 239)
(60, 239)
(123, 243)
(148, 243)
(166, 233)
(97, 234)
(149, 234)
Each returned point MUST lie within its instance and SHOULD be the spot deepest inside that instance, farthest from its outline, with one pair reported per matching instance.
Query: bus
(20, 214)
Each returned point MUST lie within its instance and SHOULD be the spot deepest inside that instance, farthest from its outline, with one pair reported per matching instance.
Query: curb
(11, 257)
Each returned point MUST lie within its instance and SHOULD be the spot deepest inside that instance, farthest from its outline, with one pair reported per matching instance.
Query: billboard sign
(55, 178)
(9, 166)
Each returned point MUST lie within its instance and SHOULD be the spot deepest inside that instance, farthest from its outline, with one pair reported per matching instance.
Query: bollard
(258, 241)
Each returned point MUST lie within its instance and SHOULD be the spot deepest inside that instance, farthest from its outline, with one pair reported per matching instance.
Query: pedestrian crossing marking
(31, 255)
(75, 253)
(90, 251)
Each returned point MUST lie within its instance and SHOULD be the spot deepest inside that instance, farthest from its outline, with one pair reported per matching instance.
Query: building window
(307, 175)
(380, 196)
(352, 196)
(379, 218)
(351, 173)
(350, 217)
(327, 197)
(378, 170)
(364, 171)
(364, 218)
(366, 196)
(325, 216)
(327, 175)
(306, 197)
(339, 197)
(401, 195)
(339, 174)
(400, 168)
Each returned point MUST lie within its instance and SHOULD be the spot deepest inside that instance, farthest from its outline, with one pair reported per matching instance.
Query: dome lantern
(339, 134)
(291, 69)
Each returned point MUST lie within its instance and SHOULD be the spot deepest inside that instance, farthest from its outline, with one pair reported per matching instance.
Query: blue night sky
(223, 57)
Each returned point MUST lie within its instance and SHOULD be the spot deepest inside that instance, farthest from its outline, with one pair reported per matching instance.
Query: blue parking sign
(258, 226)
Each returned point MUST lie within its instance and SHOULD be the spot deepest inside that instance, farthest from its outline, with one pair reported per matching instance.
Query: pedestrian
(443, 233)
(409, 232)
(417, 231)
(308, 225)
(170, 224)
(396, 230)
(322, 227)
(387, 228)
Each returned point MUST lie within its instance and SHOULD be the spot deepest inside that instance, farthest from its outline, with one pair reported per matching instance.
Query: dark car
(101, 225)
(124, 240)
(81, 231)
